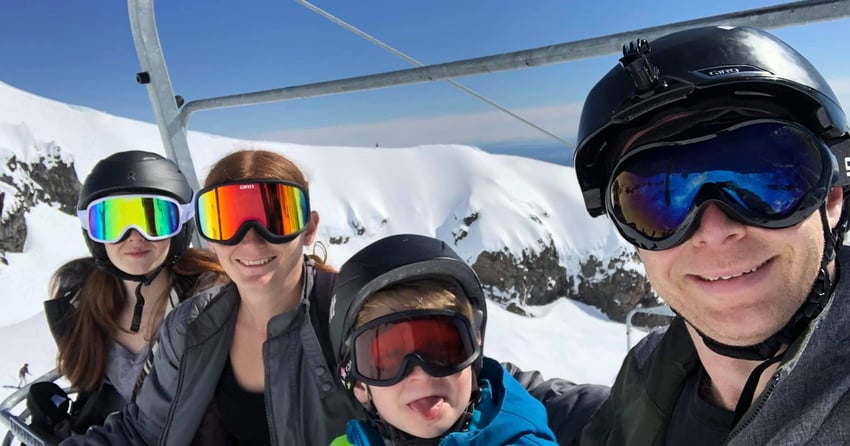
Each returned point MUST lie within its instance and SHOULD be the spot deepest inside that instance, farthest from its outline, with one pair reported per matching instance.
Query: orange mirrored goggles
(277, 210)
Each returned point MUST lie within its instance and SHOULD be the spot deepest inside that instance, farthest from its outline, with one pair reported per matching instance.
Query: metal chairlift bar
(663, 310)
(769, 17)
(17, 423)
(465, 89)
(173, 128)
(154, 75)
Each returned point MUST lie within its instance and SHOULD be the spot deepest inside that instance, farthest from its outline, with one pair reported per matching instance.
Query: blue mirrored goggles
(107, 219)
(765, 173)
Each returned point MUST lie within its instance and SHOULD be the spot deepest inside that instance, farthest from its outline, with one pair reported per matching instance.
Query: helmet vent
(636, 62)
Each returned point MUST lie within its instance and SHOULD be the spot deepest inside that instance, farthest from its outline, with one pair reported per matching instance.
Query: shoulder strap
(184, 285)
(174, 299)
(320, 302)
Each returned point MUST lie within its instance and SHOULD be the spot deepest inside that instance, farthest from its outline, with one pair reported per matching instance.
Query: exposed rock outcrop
(47, 177)
(522, 279)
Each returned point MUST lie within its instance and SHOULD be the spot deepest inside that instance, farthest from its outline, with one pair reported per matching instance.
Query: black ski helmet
(136, 171)
(724, 66)
(392, 260)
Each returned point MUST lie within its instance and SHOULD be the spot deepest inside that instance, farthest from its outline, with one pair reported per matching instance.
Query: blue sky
(82, 53)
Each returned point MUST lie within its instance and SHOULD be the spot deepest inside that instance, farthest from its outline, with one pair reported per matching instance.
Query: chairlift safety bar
(662, 310)
(17, 425)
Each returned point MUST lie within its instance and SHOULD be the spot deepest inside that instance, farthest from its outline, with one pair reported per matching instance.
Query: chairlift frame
(172, 115)
(17, 423)
(173, 120)
(660, 310)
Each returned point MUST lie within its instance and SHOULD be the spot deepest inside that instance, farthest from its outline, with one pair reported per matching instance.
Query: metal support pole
(154, 75)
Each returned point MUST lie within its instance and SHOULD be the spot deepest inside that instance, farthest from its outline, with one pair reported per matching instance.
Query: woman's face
(255, 263)
(137, 255)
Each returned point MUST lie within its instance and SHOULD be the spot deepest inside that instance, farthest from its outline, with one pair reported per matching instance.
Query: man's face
(736, 283)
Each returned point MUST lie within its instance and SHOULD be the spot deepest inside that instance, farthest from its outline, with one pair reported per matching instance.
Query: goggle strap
(841, 151)
(477, 321)
(187, 212)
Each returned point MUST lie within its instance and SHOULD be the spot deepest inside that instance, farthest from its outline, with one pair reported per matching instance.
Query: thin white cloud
(474, 128)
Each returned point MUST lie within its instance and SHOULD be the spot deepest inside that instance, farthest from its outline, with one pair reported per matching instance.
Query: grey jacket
(807, 401)
(305, 404)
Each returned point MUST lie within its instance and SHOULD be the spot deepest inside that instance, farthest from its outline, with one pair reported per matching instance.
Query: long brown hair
(261, 164)
(83, 350)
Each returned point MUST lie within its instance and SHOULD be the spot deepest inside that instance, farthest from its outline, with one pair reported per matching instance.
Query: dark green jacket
(806, 402)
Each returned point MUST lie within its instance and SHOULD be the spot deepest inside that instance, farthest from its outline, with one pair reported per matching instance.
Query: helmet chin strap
(767, 350)
(140, 300)
(143, 281)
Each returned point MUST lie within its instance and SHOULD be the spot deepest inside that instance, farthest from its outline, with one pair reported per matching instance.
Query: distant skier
(22, 375)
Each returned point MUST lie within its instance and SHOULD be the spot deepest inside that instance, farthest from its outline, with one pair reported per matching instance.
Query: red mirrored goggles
(277, 210)
(385, 350)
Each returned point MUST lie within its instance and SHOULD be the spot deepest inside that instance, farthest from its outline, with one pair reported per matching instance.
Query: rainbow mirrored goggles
(277, 210)
(107, 219)
(765, 173)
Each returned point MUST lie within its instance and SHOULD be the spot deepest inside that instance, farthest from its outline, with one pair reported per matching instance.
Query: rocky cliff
(46, 177)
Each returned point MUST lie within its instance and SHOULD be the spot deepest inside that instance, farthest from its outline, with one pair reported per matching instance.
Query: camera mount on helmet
(636, 61)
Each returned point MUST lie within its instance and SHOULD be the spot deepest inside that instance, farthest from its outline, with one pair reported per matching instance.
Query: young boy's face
(420, 404)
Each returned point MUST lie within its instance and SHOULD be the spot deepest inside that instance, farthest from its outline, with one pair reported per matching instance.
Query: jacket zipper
(167, 427)
(268, 392)
(307, 271)
(762, 400)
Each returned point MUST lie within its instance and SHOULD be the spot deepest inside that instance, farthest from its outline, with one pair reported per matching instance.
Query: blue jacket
(505, 415)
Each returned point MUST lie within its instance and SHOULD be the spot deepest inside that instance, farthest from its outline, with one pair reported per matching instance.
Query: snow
(520, 204)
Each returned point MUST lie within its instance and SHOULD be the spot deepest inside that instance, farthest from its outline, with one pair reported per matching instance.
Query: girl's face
(255, 263)
(137, 255)
(420, 404)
